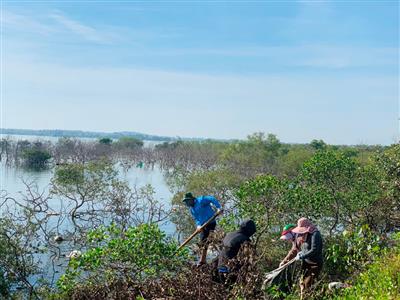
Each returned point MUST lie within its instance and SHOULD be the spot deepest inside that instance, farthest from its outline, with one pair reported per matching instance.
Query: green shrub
(128, 142)
(35, 158)
(349, 252)
(135, 254)
(105, 141)
(380, 281)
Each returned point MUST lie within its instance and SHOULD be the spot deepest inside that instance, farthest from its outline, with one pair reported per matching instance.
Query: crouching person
(231, 245)
(307, 248)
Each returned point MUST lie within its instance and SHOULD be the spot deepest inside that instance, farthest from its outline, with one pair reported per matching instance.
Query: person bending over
(201, 209)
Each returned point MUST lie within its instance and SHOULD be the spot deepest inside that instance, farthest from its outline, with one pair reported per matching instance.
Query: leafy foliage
(263, 199)
(135, 254)
(258, 154)
(88, 180)
(128, 143)
(349, 252)
(388, 163)
(318, 144)
(380, 280)
(17, 261)
(333, 186)
(351, 193)
(35, 158)
(105, 141)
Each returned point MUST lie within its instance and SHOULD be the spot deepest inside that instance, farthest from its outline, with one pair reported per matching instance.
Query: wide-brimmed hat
(304, 225)
(188, 196)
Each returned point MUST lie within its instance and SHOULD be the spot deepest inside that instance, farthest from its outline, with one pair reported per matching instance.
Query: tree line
(351, 192)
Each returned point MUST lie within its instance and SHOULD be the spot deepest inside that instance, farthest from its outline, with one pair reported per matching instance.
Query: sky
(302, 70)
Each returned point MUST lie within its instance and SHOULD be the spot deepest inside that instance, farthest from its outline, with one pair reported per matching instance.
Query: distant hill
(88, 134)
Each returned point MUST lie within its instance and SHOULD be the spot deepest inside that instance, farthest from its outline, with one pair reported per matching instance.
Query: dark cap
(188, 196)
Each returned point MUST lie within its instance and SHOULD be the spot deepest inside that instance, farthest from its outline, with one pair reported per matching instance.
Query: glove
(223, 269)
(299, 256)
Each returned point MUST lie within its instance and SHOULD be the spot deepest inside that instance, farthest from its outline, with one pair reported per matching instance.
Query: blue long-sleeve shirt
(202, 210)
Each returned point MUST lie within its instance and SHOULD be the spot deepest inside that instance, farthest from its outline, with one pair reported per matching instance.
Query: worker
(232, 243)
(289, 236)
(202, 210)
(307, 248)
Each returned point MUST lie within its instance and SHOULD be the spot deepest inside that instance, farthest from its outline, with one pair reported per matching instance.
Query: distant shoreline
(85, 134)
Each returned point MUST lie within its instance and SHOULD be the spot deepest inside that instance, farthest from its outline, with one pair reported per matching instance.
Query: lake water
(11, 178)
(54, 139)
(12, 181)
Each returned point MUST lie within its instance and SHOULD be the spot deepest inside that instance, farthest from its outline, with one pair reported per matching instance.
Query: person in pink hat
(307, 247)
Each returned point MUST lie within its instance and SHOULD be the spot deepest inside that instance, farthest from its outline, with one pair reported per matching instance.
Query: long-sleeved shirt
(202, 210)
(234, 240)
(311, 249)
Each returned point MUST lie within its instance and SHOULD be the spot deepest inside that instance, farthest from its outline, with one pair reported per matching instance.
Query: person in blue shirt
(202, 210)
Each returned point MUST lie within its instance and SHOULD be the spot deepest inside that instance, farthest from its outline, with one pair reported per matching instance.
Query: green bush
(128, 143)
(105, 141)
(349, 252)
(380, 281)
(135, 254)
(36, 158)
(263, 199)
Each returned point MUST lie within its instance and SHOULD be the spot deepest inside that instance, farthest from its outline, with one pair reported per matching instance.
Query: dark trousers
(206, 232)
(310, 274)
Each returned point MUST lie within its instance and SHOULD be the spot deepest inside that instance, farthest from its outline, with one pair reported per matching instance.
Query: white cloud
(341, 108)
(55, 24)
(25, 23)
(82, 30)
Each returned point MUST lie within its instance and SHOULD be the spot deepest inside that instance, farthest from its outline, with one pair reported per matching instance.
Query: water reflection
(17, 182)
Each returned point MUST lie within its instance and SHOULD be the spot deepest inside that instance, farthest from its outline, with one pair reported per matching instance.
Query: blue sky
(219, 69)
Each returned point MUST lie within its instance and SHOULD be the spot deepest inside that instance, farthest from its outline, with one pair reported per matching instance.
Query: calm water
(11, 180)
(54, 139)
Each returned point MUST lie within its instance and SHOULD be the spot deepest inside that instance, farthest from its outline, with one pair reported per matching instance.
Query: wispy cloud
(167, 72)
(55, 24)
(86, 32)
(25, 23)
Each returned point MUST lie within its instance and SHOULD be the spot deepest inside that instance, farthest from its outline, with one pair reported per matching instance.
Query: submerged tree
(36, 158)
(129, 143)
(105, 141)
(94, 194)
